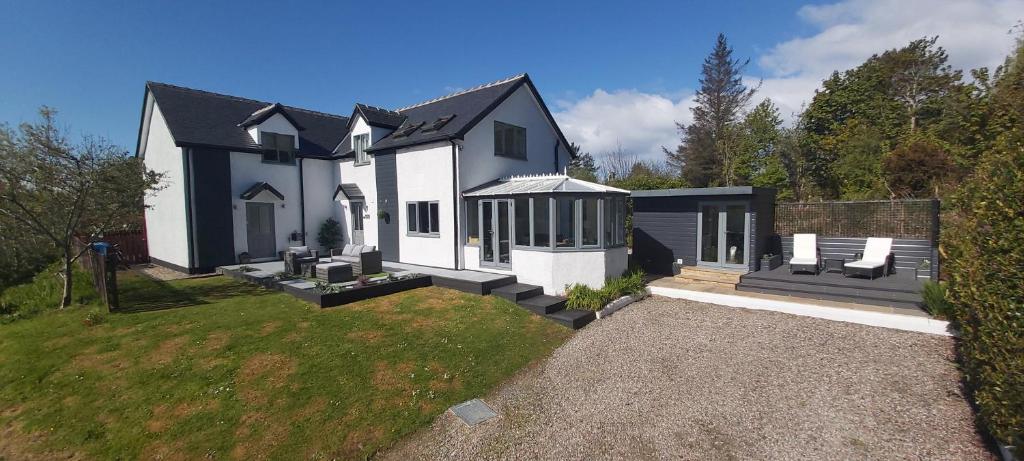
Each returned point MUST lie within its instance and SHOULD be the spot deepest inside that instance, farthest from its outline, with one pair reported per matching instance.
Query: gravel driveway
(684, 380)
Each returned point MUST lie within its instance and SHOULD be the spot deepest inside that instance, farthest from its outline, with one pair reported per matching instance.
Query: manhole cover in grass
(473, 412)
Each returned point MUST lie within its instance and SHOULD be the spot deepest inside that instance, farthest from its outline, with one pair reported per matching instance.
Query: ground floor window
(614, 221)
(588, 222)
(423, 218)
(542, 222)
(472, 222)
(565, 222)
(522, 221)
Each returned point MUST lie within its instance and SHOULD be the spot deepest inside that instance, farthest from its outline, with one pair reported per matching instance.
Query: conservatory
(549, 230)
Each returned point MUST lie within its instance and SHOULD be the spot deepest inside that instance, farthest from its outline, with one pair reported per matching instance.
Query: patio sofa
(295, 257)
(806, 254)
(365, 259)
(876, 260)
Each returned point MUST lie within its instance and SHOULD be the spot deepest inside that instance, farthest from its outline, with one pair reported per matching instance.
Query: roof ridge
(239, 98)
(459, 93)
(378, 108)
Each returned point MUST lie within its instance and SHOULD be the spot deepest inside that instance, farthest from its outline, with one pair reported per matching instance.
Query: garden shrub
(582, 297)
(330, 234)
(94, 317)
(984, 249)
(43, 292)
(934, 294)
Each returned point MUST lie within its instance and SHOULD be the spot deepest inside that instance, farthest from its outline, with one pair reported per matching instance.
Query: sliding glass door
(723, 235)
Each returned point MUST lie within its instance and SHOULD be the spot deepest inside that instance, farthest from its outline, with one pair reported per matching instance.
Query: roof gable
(265, 113)
(200, 118)
(464, 109)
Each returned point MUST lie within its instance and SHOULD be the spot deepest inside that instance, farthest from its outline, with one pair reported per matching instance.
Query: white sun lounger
(876, 260)
(806, 256)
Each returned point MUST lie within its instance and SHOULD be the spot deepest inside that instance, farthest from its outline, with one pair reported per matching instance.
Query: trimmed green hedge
(984, 245)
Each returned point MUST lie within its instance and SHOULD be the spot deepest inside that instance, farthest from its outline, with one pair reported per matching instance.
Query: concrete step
(543, 304)
(573, 318)
(516, 292)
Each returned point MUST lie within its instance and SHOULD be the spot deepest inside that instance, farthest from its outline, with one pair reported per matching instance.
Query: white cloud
(640, 122)
(974, 33)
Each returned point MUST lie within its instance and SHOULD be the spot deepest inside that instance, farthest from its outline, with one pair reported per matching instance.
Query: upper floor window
(278, 148)
(509, 140)
(360, 143)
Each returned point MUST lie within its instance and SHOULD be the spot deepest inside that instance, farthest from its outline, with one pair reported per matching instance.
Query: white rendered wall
(248, 169)
(321, 180)
(555, 270)
(275, 124)
(365, 177)
(479, 165)
(166, 229)
(425, 174)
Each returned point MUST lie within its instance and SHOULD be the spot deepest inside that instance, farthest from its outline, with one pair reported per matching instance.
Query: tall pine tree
(707, 155)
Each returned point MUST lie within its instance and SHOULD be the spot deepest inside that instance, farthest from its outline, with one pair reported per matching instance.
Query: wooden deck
(899, 290)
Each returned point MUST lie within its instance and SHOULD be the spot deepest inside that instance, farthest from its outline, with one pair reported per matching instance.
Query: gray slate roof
(701, 191)
(200, 118)
(467, 107)
(380, 117)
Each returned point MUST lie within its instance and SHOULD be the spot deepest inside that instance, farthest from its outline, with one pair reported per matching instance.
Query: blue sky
(593, 62)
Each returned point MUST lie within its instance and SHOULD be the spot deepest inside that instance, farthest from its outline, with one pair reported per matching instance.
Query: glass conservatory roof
(540, 184)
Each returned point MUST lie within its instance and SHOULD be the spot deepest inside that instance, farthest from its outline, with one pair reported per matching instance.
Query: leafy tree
(61, 190)
(918, 168)
(707, 154)
(890, 96)
(583, 166)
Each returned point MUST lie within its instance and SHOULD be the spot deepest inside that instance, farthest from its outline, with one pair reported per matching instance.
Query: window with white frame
(360, 143)
(589, 222)
(473, 222)
(522, 221)
(614, 221)
(509, 140)
(423, 218)
(278, 148)
(565, 222)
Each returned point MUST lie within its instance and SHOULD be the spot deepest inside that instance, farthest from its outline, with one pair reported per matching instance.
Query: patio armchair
(876, 260)
(806, 254)
(295, 257)
(365, 259)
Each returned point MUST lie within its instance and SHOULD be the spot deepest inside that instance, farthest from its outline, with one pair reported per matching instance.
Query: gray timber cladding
(214, 239)
(664, 229)
(387, 201)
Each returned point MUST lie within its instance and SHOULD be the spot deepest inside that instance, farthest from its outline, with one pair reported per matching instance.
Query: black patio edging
(352, 295)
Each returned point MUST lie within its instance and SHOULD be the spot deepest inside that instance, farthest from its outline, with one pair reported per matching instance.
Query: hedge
(984, 249)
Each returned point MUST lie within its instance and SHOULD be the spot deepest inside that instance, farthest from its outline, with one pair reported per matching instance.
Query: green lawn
(219, 369)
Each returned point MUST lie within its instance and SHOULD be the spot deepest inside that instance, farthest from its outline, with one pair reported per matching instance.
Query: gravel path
(684, 380)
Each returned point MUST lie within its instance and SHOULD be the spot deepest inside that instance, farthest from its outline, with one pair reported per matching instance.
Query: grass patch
(216, 368)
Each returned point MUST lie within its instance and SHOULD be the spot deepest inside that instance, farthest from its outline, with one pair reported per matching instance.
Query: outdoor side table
(835, 265)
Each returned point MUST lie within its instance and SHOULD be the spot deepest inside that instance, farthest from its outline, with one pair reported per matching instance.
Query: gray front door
(259, 226)
(357, 222)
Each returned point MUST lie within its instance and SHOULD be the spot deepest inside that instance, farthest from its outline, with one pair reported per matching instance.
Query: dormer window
(278, 148)
(360, 143)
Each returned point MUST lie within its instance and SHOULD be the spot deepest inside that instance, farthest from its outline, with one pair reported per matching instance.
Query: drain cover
(473, 412)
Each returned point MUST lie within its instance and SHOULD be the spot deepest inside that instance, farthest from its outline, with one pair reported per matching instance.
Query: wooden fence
(132, 244)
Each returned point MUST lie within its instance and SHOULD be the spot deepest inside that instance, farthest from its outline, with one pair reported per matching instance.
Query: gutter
(455, 201)
(302, 204)
(186, 158)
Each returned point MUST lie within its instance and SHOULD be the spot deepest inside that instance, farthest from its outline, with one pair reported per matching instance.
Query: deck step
(516, 292)
(902, 304)
(700, 274)
(543, 304)
(572, 318)
(848, 292)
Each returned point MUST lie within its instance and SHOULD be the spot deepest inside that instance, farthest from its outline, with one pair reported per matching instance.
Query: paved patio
(680, 379)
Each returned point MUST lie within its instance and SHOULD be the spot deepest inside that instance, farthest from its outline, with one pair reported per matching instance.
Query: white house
(469, 181)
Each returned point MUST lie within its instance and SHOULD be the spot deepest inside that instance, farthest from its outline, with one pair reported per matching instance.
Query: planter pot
(624, 301)
(770, 262)
(1007, 452)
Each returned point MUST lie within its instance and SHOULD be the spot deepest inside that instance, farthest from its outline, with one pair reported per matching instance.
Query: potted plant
(770, 261)
(330, 235)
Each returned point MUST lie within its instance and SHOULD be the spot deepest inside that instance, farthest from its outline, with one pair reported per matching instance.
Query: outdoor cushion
(876, 250)
(803, 261)
(865, 264)
(368, 248)
(805, 249)
(347, 250)
(301, 252)
(356, 249)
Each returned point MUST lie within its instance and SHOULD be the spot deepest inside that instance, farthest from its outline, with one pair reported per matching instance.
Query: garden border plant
(583, 297)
